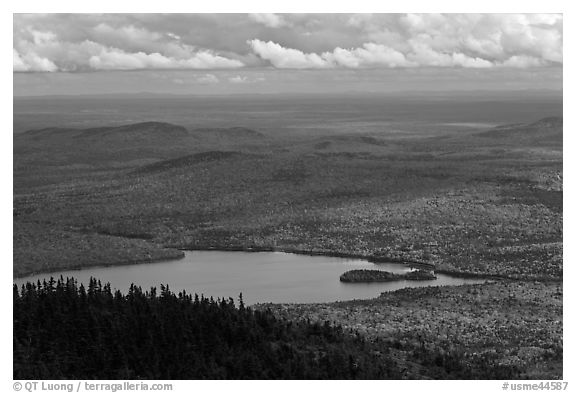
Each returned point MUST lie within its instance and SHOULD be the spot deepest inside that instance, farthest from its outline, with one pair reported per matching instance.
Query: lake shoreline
(104, 264)
(262, 277)
(375, 259)
(258, 249)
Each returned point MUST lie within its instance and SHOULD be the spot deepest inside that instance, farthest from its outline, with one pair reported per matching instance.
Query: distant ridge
(551, 122)
(192, 159)
(147, 131)
(338, 141)
(48, 131)
(150, 129)
(548, 129)
(241, 132)
(107, 145)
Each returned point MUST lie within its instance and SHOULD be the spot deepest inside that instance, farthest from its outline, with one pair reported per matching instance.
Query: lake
(260, 276)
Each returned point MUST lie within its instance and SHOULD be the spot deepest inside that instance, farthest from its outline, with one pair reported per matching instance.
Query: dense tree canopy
(63, 330)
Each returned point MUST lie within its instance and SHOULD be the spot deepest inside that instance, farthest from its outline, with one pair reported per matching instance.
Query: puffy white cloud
(125, 35)
(370, 55)
(207, 79)
(32, 62)
(135, 39)
(42, 37)
(116, 59)
(86, 42)
(269, 20)
(462, 60)
(495, 38)
(522, 62)
(424, 55)
(39, 51)
(281, 57)
(18, 63)
(238, 79)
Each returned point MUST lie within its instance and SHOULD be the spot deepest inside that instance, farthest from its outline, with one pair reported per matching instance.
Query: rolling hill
(547, 130)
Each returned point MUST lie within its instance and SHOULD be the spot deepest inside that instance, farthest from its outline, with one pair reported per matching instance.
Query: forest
(470, 186)
(63, 330)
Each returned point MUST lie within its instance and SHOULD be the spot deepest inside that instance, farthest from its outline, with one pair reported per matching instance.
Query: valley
(474, 200)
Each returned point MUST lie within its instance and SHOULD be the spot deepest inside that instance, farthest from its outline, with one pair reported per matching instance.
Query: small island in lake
(365, 275)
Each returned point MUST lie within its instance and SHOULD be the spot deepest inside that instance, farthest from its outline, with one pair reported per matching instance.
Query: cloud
(207, 79)
(370, 55)
(32, 62)
(281, 57)
(18, 64)
(467, 40)
(93, 42)
(116, 59)
(269, 20)
(424, 55)
(124, 35)
(41, 51)
(238, 79)
(494, 38)
(522, 62)
(462, 60)
(136, 39)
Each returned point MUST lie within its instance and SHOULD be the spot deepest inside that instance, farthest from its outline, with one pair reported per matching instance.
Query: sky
(275, 53)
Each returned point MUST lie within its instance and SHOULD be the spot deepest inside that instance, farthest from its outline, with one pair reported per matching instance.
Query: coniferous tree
(62, 330)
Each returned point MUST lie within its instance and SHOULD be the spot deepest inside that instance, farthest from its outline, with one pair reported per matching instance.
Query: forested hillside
(63, 330)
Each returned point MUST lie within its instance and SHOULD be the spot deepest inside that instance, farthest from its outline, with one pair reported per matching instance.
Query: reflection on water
(260, 276)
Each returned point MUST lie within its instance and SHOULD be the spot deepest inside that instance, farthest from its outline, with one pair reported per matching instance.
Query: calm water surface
(260, 276)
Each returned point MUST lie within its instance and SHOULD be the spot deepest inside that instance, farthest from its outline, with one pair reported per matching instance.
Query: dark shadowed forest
(63, 330)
